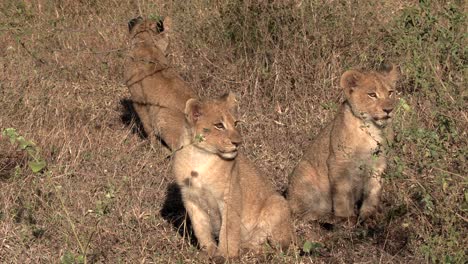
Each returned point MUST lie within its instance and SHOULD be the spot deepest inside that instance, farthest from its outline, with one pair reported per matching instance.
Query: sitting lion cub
(222, 191)
(340, 172)
(157, 91)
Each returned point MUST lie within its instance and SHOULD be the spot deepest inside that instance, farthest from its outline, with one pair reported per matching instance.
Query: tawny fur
(158, 93)
(225, 196)
(340, 172)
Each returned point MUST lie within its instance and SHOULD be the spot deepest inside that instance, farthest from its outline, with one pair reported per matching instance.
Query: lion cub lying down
(222, 191)
(340, 172)
(157, 91)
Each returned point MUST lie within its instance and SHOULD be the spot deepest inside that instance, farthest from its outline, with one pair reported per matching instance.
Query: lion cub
(157, 91)
(222, 191)
(340, 172)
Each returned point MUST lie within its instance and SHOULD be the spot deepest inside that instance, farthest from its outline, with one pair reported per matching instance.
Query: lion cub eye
(390, 93)
(372, 95)
(219, 126)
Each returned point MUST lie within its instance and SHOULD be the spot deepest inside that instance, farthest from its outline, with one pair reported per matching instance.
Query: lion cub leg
(145, 119)
(229, 235)
(342, 191)
(170, 126)
(277, 217)
(202, 226)
(309, 194)
(371, 199)
(273, 226)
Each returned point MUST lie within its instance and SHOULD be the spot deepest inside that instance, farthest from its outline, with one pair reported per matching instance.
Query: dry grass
(104, 194)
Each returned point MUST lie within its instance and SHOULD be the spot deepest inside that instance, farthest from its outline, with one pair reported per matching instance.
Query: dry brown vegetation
(106, 194)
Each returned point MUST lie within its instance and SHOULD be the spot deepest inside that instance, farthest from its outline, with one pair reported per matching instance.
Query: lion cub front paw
(211, 254)
(366, 211)
(218, 259)
(210, 250)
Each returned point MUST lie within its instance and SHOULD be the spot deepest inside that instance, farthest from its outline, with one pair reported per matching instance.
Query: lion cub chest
(364, 150)
(200, 173)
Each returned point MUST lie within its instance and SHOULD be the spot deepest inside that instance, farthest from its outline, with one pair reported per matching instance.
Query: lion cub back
(157, 91)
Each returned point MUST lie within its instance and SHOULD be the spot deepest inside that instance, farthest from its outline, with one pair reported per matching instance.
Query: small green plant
(404, 105)
(154, 17)
(37, 163)
(103, 206)
(311, 248)
(199, 138)
(329, 106)
(69, 258)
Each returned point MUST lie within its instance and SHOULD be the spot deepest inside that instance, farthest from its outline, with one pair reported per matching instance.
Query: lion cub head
(371, 95)
(213, 125)
(153, 32)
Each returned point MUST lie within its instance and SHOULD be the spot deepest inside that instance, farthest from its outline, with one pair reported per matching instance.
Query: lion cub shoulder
(340, 172)
(158, 93)
(223, 193)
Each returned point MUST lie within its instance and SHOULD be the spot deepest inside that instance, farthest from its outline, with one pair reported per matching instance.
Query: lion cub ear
(349, 81)
(232, 103)
(391, 72)
(163, 27)
(132, 23)
(193, 110)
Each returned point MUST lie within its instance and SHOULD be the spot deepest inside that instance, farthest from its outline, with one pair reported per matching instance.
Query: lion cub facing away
(222, 191)
(340, 172)
(157, 91)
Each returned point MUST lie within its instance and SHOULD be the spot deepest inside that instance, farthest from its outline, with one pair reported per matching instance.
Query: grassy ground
(106, 194)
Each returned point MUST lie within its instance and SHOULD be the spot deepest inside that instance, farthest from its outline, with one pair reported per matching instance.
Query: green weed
(37, 163)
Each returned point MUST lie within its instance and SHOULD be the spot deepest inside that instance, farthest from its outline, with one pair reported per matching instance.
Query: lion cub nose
(388, 110)
(236, 139)
(236, 142)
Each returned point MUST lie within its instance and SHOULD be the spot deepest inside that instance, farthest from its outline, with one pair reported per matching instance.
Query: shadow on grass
(129, 117)
(174, 212)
